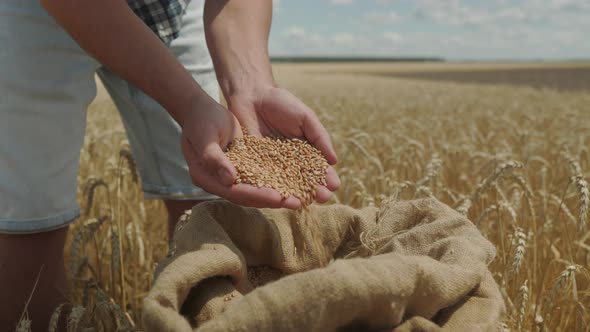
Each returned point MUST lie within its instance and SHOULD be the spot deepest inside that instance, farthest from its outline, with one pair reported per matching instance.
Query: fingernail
(225, 177)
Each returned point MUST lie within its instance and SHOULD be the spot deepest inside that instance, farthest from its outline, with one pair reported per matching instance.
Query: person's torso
(163, 17)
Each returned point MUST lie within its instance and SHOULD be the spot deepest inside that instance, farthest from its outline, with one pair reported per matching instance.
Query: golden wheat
(512, 159)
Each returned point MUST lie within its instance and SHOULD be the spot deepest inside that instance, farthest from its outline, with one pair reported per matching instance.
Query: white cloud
(451, 12)
(344, 39)
(454, 29)
(383, 18)
(341, 2)
(569, 4)
(295, 32)
(297, 36)
(392, 37)
(463, 13)
(513, 13)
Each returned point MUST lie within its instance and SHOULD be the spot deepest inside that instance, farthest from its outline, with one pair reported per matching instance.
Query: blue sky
(453, 29)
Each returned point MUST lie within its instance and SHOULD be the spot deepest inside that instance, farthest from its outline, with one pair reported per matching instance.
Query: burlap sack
(411, 266)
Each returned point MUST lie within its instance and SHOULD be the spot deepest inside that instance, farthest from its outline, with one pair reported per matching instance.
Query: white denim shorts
(46, 85)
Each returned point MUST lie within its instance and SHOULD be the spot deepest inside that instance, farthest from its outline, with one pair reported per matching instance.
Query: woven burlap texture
(408, 266)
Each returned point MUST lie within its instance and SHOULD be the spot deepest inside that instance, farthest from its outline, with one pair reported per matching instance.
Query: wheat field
(512, 158)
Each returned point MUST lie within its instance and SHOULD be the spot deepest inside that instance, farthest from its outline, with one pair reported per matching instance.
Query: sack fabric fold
(407, 266)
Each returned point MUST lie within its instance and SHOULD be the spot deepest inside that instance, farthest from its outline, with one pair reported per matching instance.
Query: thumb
(216, 163)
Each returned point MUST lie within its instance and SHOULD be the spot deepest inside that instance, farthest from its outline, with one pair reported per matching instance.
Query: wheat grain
(89, 191)
(125, 154)
(75, 318)
(290, 166)
(423, 191)
(432, 170)
(540, 323)
(523, 296)
(80, 238)
(485, 214)
(563, 280)
(516, 199)
(464, 207)
(502, 169)
(575, 168)
(24, 325)
(560, 205)
(519, 250)
(109, 309)
(584, 201)
(508, 208)
(54, 320)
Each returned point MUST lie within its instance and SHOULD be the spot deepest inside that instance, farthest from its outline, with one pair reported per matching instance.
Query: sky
(452, 29)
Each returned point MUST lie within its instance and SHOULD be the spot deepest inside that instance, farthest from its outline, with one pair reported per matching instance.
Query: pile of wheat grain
(290, 166)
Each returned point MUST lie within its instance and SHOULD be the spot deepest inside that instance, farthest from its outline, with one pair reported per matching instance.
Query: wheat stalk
(24, 324)
(502, 169)
(560, 205)
(85, 232)
(519, 250)
(115, 257)
(125, 154)
(432, 170)
(423, 191)
(561, 282)
(581, 312)
(89, 191)
(485, 214)
(523, 296)
(464, 207)
(584, 201)
(75, 318)
(54, 320)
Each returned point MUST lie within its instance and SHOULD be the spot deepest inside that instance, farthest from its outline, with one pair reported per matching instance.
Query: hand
(272, 111)
(206, 132)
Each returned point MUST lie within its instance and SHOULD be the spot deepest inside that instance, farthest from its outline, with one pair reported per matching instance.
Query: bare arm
(237, 35)
(110, 31)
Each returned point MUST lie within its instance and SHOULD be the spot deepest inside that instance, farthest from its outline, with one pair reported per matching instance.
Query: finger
(216, 163)
(332, 179)
(246, 116)
(188, 151)
(249, 195)
(318, 136)
(291, 202)
(322, 194)
(253, 196)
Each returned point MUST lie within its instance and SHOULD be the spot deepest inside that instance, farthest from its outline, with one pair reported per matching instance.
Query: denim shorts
(46, 84)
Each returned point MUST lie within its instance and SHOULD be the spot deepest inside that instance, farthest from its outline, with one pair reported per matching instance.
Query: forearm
(110, 31)
(237, 36)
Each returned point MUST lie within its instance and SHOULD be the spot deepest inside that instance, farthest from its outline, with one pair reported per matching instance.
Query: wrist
(246, 85)
(251, 95)
(245, 76)
(190, 106)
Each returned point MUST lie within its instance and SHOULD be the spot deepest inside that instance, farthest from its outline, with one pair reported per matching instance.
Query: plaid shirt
(164, 17)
